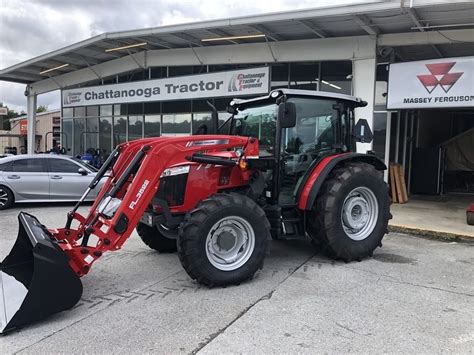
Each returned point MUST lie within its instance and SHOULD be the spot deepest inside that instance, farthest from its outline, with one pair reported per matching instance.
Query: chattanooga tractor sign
(434, 83)
(232, 83)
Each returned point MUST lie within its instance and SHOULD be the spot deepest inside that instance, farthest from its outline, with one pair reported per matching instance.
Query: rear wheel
(351, 213)
(223, 240)
(6, 198)
(159, 237)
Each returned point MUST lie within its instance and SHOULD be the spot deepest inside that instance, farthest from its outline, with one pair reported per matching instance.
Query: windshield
(87, 166)
(258, 122)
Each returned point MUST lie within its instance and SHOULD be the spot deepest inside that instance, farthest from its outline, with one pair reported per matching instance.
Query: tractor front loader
(283, 166)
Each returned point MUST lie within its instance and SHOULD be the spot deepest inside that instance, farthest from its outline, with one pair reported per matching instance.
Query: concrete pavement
(415, 295)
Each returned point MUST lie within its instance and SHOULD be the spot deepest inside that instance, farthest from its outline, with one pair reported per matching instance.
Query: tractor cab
(295, 129)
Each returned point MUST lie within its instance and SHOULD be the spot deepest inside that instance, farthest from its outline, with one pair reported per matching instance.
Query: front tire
(158, 237)
(351, 213)
(223, 240)
(6, 198)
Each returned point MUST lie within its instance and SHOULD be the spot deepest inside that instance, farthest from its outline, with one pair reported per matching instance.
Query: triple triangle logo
(440, 75)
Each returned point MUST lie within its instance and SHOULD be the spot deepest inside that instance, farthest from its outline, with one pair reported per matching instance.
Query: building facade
(108, 81)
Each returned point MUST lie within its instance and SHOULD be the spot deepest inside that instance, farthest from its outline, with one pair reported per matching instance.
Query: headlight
(178, 170)
(109, 206)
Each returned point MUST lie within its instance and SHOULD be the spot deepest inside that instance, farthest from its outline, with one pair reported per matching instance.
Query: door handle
(56, 177)
(13, 177)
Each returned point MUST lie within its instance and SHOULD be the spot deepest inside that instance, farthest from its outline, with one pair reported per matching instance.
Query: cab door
(313, 136)
(28, 178)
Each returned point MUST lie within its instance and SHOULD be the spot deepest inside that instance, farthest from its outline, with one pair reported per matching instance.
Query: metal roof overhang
(431, 28)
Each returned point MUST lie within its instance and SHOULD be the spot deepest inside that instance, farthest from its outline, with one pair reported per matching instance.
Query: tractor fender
(321, 170)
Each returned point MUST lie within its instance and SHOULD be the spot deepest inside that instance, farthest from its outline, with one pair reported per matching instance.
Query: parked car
(44, 178)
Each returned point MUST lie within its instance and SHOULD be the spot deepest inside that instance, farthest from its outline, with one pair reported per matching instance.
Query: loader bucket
(35, 278)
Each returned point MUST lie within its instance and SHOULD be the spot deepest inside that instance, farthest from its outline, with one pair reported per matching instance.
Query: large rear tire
(223, 240)
(158, 237)
(351, 213)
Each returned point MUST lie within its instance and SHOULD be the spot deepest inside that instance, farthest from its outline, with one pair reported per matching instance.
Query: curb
(433, 234)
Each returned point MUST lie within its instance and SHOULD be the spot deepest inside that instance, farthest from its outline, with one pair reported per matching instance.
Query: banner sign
(23, 127)
(231, 83)
(447, 82)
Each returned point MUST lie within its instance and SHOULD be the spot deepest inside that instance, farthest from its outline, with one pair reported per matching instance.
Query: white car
(44, 178)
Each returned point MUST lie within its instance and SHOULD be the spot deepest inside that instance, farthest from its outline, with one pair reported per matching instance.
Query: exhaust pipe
(35, 278)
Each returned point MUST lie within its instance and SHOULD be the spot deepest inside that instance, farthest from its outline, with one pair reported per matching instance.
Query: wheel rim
(230, 243)
(3, 197)
(359, 213)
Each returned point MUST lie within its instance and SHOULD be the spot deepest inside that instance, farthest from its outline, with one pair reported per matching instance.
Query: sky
(29, 28)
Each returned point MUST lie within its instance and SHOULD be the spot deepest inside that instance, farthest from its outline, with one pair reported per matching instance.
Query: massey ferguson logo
(241, 82)
(441, 76)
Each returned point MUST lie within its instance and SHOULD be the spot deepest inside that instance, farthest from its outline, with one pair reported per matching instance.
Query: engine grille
(172, 189)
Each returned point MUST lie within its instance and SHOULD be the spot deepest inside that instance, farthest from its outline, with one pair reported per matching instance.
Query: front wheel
(351, 213)
(159, 237)
(223, 240)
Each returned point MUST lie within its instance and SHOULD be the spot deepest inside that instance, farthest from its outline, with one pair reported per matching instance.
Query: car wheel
(6, 198)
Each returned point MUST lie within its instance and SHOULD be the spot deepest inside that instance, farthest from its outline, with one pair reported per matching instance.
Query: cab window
(258, 122)
(315, 130)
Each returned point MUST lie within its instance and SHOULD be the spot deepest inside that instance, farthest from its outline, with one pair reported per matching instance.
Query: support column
(31, 123)
(363, 71)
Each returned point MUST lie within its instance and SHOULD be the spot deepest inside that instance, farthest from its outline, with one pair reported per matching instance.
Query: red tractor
(282, 166)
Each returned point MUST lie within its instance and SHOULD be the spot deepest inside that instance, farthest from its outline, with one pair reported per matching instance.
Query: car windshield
(89, 167)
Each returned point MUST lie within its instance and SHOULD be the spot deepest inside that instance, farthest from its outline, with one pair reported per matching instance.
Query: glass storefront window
(79, 129)
(106, 110)
(336, 77)
(380, 134)
(200, 119)
(91, 136)
(68, 112)
(135, 127)
(105, 135)
(280, 75)
(152, 126)
(304, 76)
(66, 137)
(120, 109)
(180, 71)
(92, 111)
(79, 111)
(135, 109)
(120, 130)
(178, 123)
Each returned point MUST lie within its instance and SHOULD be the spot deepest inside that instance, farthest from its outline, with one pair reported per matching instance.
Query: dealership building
(412, 61)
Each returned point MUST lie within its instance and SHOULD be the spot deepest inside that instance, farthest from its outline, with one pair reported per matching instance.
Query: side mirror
(82, 171)
(362, 131)
(287, 114)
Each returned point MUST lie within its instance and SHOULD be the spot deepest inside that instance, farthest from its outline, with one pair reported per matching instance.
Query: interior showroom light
(331, 85)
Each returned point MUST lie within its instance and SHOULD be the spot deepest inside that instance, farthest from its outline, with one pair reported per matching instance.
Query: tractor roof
(296, 92)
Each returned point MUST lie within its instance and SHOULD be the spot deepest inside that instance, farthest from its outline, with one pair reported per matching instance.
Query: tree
(5, 121)
(41, 108)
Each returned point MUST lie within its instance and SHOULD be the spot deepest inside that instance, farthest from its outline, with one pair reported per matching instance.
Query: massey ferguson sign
(232, 83)
(435, 83)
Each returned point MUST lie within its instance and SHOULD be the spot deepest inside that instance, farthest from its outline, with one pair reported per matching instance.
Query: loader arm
(133, 182)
